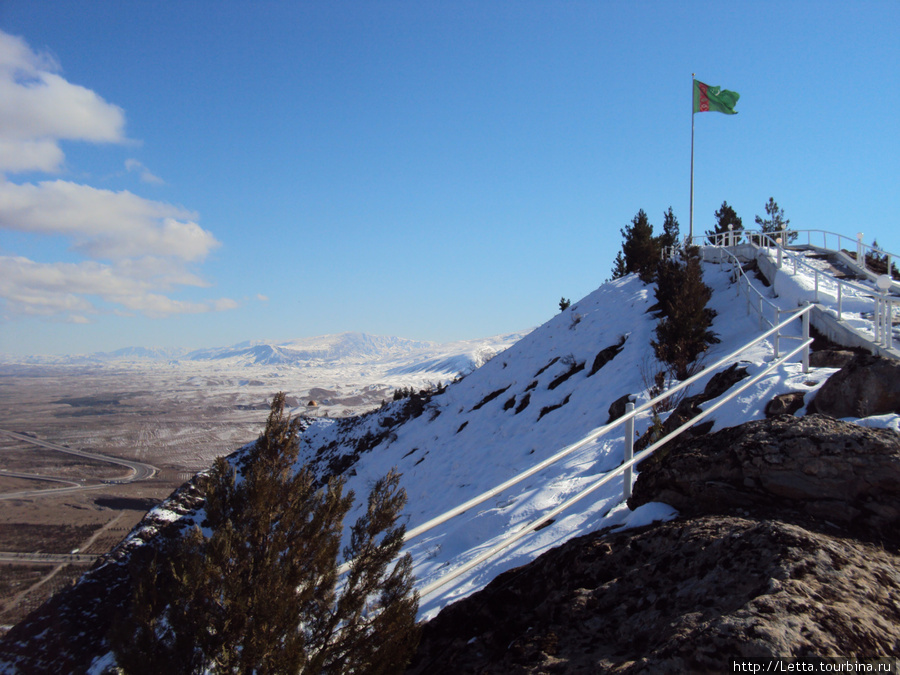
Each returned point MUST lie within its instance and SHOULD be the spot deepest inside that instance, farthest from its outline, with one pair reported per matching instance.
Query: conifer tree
(670, 230)
(683, 332)
(639, 248)
(618, 269)
(775, 222)
(259, 594)
(726, 216)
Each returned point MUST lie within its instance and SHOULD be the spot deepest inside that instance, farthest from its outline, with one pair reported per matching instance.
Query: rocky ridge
(788, 545)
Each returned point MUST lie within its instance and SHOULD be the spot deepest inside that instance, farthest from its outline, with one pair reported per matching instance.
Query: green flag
(714, 99)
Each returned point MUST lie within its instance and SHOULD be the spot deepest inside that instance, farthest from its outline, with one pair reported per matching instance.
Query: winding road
(139, 470)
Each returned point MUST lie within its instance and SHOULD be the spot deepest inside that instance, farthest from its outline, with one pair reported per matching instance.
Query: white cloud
(38, 155)
(133, 165)
(38, 108)
(74, 290)
(137, 250)
(102, 223)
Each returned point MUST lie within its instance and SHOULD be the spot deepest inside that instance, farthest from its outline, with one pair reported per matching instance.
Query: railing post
(890, 323)
(860, 257)
(629, 450)
(840, 301)
(876, 319)
(777, 332)
(804, 320)
(817, 285)
(762, 318)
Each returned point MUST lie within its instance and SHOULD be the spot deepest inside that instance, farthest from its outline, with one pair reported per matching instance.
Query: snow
(504, 418)
(647, 514)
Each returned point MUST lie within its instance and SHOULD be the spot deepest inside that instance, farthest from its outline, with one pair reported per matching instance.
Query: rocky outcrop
(867, 385)
(816, 465)
(683, 596)
(831, 358)
(785, 404)
(787, 546)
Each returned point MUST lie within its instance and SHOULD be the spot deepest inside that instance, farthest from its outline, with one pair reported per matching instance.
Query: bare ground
(179, 419)
(161, 417)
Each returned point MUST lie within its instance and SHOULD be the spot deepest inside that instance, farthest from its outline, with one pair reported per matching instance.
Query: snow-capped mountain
(393, 355)
(354, 347)
(399, 355)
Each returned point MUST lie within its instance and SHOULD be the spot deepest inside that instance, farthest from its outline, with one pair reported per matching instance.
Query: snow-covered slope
(551, 388)
(521, 407)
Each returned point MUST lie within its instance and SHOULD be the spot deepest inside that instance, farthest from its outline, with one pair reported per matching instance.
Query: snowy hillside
(548, 390)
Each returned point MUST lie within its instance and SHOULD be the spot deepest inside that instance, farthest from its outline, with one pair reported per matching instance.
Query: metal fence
(629, 459)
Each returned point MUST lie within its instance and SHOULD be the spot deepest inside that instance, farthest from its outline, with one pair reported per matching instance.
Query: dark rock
(686, 596)
(607, 355)
(867, 385)
(784, 404)
(815, 465)
(768, 562)
(689, 407)
(723, 381)
(830, 358)
(617, 407)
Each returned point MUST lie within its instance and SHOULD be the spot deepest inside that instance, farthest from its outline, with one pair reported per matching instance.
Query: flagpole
(691, 219)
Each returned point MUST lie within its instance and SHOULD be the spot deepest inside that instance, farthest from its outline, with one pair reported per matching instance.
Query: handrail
(592, 436)
(857, 244)
(747, 287)
(883, 301)
(630, 415)
(721, 240)
(607, 477)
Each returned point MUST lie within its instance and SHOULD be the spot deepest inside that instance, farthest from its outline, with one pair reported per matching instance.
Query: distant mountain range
(398, 355)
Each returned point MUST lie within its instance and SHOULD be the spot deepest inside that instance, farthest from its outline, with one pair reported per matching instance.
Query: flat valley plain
(177, 418)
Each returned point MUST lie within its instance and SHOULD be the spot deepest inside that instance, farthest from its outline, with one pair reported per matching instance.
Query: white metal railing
(882, 299)
(752, 293)
(630, 460)
(628, 463)
(862, 250)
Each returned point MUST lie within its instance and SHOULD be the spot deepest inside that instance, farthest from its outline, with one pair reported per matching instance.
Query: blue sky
(199, 173)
